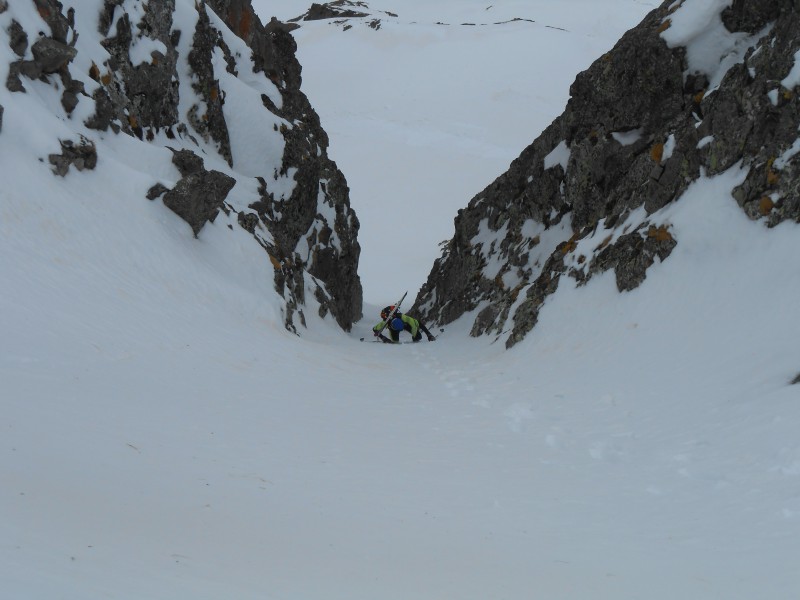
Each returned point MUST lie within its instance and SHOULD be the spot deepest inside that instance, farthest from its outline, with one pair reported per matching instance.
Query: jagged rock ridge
(161, 80)
(642, 124)
(344, 13)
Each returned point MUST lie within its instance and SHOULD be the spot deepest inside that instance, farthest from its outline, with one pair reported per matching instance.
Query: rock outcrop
(320, 236)
(345, 13)
(166, 84)
(643, 122)
(199, 195)
(82, 155)
(334, 10)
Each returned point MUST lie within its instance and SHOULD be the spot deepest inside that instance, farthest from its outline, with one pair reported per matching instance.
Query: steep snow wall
(694, 90)
(214, 97)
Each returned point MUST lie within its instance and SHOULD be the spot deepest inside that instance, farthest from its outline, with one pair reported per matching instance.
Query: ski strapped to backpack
(388, 319)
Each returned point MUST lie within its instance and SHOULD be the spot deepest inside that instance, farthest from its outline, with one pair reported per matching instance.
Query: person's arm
(378, 331)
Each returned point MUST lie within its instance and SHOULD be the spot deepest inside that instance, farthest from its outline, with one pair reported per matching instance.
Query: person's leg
(414, 337)
(425, 330)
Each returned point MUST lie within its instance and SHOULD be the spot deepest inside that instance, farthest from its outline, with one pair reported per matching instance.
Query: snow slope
(164, 437)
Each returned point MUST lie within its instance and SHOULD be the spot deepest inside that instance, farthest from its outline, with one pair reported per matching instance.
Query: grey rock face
(187, 162)
(18, 39)
(750, 17)
(157, 191)
(754, 117)
(334, 10)
(199, 194)
(301, 216)
(51, 55)
(345, 14)
(82, 155)
(633, 254)
(141, 97)
(13, 81)
(211, 124)
(319, 237)
(584, 197)
(60, 24)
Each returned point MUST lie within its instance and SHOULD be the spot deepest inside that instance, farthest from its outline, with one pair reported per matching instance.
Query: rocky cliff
(673, 101)
(185, 75)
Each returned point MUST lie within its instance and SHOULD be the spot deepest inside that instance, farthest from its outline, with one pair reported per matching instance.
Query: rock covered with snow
(211, 83)
(334, 10)
(698, 87)
(344, 13)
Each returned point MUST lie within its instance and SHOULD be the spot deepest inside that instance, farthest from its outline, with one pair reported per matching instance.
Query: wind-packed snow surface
(164, 437)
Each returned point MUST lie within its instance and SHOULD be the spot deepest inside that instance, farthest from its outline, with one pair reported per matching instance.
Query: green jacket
(411, 324)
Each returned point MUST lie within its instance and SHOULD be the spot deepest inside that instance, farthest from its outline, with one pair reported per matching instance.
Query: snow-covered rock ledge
(211, 99)
(697, 89)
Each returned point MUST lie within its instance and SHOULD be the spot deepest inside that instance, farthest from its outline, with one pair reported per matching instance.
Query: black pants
(406, 327)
